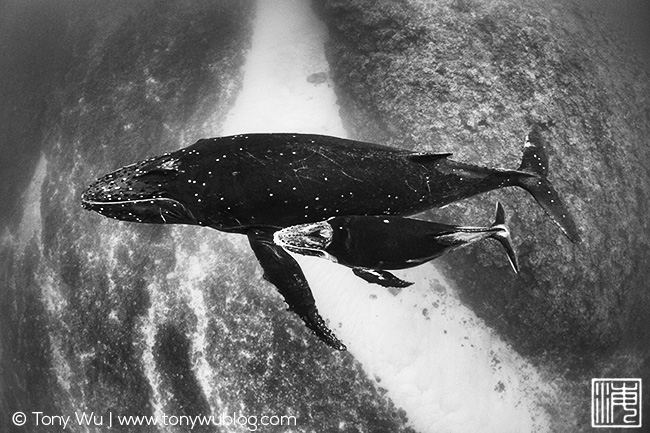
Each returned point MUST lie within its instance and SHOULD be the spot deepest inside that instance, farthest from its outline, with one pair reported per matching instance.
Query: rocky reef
(470, 77)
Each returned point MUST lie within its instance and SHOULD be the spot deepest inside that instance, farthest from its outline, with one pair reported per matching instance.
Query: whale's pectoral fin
(383, 278)
(281, 270)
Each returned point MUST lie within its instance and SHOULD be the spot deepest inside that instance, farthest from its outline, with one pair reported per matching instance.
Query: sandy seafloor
(435, 358)
(146, 320)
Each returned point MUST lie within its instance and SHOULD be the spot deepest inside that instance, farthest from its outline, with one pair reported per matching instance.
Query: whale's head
(307, 239)
(148, 192)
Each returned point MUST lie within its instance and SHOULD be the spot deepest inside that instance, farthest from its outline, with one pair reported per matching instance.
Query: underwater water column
(436, 359)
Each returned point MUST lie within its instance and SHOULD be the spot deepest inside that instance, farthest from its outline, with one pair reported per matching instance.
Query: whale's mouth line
(133, 201)
(170, 210)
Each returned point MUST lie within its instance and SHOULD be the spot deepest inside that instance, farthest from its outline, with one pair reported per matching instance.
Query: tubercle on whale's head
(310, 239)
(141, 192)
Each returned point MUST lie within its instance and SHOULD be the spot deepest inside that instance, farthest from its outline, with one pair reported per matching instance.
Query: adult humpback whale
(259, 183)
(370, 245)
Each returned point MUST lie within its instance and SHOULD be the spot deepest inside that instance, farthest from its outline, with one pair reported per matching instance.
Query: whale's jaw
(152, 211)
(140, 193)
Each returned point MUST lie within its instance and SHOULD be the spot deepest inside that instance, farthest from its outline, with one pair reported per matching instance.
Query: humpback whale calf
(256, 184)
(370, 245)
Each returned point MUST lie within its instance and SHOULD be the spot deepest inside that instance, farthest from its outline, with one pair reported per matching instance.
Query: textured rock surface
(110, 316)
(98, 315)
(468, 77)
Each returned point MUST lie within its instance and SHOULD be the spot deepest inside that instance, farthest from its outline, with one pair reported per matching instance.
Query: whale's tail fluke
(502, 234)
(535, 163)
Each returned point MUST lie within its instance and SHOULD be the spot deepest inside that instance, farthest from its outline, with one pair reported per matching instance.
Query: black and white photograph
(319, 216)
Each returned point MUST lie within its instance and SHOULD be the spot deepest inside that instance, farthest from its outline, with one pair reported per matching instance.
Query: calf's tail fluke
(535, 163)
(501, 233)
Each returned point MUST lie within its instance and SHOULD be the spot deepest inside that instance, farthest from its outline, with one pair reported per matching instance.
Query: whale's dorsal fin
(425, 158)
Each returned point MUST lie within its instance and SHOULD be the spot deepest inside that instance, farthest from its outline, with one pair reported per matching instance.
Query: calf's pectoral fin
(281, 270)
(383, 278)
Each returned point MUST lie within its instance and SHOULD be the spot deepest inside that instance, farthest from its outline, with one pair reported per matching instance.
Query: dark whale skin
(393, 242)
(372, 245)
(277, 180)
(256, 184)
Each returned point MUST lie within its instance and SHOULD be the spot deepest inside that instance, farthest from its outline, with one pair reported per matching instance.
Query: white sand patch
(435, 358)
(437, 361)
(287, 48)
